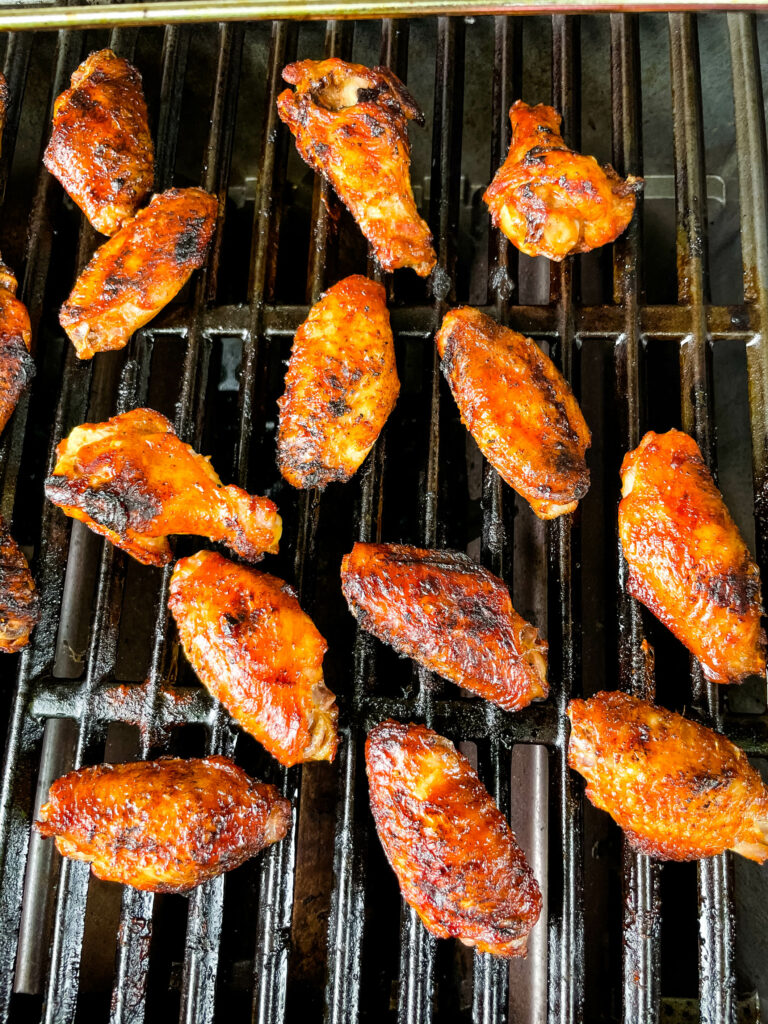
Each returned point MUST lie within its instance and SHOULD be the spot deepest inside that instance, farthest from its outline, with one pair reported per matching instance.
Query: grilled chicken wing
(687, 560)
(454, 854)
(518, 408)
(258, 653)
(449, 614)
(137, 272)
(680, 791)
(17, 367)
(550, 201)
(19, 599)
(164, 826)
(340, 387)
(133, 481)
(350, 125)
(101, 149)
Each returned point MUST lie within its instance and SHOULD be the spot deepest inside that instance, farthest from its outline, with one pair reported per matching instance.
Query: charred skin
(680, 791)
(455, 856)
(101, 149)
(340, 387)
(17, 367)
(19, 599)
(688, 563)
(166, 825)
(519, 409)
(133, 481)
(450, 615)
(550, 201)
(256, 651)
(137, 272)
(351, 126)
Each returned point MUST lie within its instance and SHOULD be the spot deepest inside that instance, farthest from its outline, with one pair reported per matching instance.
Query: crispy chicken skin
(258, 653)
(351, 126)
(340, 387)
(550, 201)
(679, 791)
(133, 481)
(136, 273)
(19, 599)
(100, 149)
(519, 409)
(17, 367)
(455, 856)
(166, 825)
(449, 614)
(687, 560)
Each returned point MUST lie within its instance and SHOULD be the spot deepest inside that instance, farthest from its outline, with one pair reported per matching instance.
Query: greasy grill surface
(312, 926)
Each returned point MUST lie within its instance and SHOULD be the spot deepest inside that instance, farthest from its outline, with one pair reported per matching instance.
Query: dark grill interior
(659, 330)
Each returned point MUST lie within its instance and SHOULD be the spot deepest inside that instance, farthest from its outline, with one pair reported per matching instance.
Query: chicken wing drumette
(138, 271)
(679, 791)
(340, 387)
(687, 560)
(519, 409)
(258, 653)
(17, 367)
(449, 614)
(350, 125)
(163, 826)
(101, 149)
(19, 599)
(549, 200)
(455, 856)
(133, 481)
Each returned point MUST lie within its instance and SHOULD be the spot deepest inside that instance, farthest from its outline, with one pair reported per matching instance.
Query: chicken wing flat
(550, 201)
(163, 826)
(455, 856)
(519, 409)
(257, 652)
(351, 125)
(687, 560)
(100, 149)
(17, 367)
(134, 482)
(449, 614)
(340, 387)
(679, 791)
(137, 272)
(19, 599)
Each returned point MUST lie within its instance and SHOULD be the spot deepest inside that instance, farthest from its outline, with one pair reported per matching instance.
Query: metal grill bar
(641, 875)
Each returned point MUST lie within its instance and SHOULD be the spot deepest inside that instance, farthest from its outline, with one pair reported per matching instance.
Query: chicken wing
(19, 599)
(350, 125)
(137, 272)
(340, 387)
(550, 201)
(163, 826)
(679, 791)
(134, 482)
(100, 149)
(258, 653)
(687, 560)
(455, 856)
(449, 614)
(17, 367)
(518, 408)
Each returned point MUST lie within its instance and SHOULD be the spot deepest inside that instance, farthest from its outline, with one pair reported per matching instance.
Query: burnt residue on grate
(315, 928)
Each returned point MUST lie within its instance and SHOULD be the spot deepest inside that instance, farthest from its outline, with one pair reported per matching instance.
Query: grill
(314, 928)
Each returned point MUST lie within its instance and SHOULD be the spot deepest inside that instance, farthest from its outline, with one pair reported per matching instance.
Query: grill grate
(46, 701)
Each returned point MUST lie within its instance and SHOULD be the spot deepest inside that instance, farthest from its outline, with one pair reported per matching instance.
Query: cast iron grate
(88, 700)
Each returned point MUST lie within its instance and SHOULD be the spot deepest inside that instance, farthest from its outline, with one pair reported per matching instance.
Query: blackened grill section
(257, 942)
